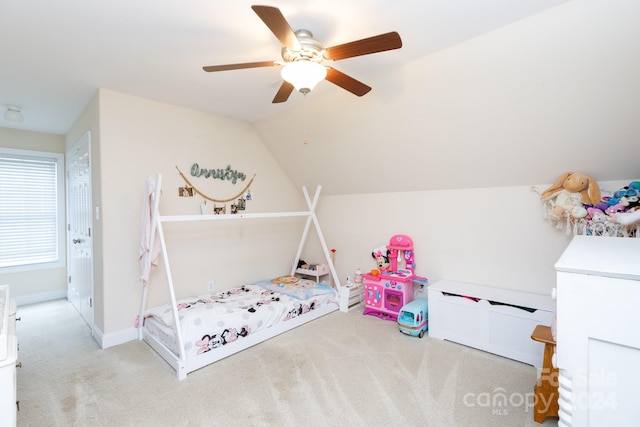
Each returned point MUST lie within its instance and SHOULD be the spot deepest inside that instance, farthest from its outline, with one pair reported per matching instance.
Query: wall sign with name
(189, 190)
(226, 174)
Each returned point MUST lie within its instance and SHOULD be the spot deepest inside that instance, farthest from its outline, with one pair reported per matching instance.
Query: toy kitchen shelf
(320, 271)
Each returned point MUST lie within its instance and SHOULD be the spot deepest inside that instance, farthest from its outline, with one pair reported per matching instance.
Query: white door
(80, 240)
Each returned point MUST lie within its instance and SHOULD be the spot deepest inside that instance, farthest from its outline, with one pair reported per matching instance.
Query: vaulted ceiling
(55, 55)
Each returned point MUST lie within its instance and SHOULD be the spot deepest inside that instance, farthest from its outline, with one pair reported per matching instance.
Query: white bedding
(215, 320)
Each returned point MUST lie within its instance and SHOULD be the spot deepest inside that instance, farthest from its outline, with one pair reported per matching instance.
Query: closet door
(80, 239)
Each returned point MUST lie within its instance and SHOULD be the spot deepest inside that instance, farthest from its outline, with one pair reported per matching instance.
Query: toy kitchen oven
(387, 291)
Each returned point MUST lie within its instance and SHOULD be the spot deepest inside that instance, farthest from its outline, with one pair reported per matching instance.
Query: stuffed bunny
(571, 191)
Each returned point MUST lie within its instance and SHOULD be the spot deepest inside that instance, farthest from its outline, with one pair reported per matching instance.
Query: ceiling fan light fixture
(304, 75)
(13, 114)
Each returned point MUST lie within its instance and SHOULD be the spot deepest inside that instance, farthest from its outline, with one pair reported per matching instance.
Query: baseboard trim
(43, 297)
(104, 340)
(115, 338)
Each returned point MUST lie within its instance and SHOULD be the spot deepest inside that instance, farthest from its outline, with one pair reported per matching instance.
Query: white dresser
(598, 331)
(8, 358)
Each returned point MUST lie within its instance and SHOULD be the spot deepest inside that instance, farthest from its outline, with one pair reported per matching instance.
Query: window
(31, 210)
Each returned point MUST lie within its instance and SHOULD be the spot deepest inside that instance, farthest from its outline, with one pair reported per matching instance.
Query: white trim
(115, 338)
(184, 218)
(42, 297)
(85, 139)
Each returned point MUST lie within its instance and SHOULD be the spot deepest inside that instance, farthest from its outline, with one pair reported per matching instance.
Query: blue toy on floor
(413, 318)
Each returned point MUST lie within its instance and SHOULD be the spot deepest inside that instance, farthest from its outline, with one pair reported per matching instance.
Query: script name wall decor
(226, 174)
(190, 188)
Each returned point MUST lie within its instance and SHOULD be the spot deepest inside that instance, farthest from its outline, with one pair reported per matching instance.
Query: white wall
(447, 148)
(490, 236)
(140, 138)
(520, 105)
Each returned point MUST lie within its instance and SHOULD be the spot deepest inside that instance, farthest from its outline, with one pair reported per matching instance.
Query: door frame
(85, 139)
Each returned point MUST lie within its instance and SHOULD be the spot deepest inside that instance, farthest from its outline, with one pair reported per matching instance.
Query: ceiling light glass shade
(304, 75)
(13, 114)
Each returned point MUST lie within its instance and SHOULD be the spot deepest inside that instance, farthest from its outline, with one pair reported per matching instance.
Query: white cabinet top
(490, 293)
(602, 256)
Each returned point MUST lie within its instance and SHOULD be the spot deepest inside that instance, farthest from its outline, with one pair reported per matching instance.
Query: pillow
(294, 287)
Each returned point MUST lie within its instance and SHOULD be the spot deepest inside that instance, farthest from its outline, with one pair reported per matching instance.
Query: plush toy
(631, 203)
(381, 255)
(629, 196)
(596, 214)
(614, 209)
(624, 200)
(627, 218)
(571, 191)
(627, 210)
(304, 265)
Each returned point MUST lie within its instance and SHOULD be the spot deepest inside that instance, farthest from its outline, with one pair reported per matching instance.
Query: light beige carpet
(340, 370)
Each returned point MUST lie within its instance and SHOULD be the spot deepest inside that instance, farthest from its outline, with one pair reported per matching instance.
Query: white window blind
(30, 208)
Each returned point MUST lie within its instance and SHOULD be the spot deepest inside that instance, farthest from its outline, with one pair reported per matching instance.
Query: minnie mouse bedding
(215, 320)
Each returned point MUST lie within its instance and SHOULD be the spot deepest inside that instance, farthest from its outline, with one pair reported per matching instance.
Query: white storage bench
(496, 320)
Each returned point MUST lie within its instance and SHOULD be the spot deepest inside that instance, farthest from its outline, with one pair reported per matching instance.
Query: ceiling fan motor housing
(311, 50)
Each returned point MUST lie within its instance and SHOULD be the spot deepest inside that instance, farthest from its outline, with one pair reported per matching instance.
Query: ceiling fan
(302, 56)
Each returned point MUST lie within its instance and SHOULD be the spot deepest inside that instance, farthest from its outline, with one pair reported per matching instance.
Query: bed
(191, 333)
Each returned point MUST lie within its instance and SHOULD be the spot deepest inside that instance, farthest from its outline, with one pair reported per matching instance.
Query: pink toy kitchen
(391, 286)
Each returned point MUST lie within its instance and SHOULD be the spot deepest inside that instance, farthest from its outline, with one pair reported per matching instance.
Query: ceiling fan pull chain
(306, 120)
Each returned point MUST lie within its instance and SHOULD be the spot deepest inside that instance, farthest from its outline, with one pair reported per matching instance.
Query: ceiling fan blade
(277, 23)
(346, 82)
(379, 43)
(211, 68)
(283, 93)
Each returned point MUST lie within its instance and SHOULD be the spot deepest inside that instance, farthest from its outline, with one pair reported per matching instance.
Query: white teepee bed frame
(181, 363)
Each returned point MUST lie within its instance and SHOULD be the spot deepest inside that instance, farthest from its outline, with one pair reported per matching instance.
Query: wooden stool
(546, 391)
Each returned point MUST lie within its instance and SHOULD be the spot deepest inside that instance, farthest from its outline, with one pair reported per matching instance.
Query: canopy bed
(191, 333)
